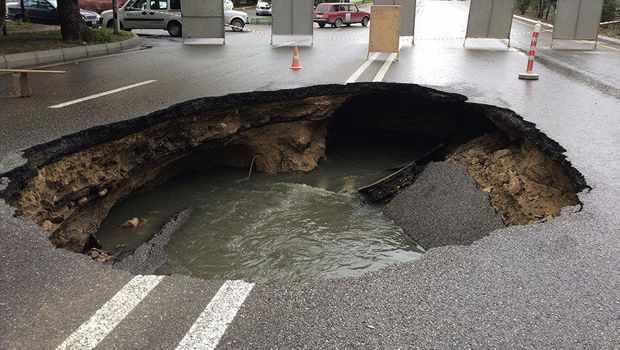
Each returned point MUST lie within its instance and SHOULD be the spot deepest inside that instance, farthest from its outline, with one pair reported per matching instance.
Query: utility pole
(117, 26)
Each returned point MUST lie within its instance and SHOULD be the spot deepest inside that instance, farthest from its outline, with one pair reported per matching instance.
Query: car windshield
(322, 8)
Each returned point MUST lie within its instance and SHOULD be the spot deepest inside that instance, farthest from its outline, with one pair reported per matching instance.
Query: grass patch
(36, 40)
(24, 26)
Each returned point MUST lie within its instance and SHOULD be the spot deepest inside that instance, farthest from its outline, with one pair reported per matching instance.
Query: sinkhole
(317, 182)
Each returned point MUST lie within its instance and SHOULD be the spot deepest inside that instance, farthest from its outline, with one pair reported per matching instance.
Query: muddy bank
(69, 185)
(523, 184)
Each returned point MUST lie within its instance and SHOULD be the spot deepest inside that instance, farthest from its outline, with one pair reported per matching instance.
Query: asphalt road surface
(551, 285)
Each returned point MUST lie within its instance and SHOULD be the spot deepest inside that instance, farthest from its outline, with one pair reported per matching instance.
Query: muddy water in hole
(271, 228)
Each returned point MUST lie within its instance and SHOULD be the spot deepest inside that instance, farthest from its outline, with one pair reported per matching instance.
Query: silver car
(263, 8)
(162, 14)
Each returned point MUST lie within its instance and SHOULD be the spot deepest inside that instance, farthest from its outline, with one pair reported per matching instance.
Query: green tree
(542, 8)
(523, 5)
(610, 10)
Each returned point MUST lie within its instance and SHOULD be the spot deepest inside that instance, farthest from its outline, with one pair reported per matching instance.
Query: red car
(338, 14)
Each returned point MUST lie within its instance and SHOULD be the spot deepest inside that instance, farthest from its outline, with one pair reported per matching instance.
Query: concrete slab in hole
(444, 207)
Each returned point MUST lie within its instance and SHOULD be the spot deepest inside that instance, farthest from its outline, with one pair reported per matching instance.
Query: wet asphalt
(551, 285)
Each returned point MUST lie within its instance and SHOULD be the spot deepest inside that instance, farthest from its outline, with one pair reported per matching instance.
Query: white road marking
(362, 68)
(210, 326)
(101, 94)
(89, 334)
(385, 67)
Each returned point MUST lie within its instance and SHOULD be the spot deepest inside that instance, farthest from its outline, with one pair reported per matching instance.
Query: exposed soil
(69, 185)
(285, 147)
(524, 185)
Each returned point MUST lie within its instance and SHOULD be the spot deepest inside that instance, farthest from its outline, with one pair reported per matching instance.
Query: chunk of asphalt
(444, 207)
(150, 255)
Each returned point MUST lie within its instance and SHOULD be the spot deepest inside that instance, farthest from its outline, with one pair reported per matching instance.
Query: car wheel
(365, 21)
(322, 25)
(237, 24)
(175, 29)
(338, 23)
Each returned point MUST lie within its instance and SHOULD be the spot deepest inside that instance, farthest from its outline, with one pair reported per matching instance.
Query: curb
(609, 39)
(37, 58)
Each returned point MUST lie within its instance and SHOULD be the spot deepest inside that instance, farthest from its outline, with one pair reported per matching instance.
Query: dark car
(338, 14)
(45, 12)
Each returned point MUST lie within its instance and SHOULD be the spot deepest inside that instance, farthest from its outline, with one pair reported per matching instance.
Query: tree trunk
(23, 9)
(2, 15)
(541, 9)
(72, 26)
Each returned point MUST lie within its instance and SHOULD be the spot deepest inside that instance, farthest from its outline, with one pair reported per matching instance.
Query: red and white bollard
(529, 74)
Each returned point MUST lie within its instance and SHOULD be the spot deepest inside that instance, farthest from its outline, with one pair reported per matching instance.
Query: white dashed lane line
(101, 94)
(93, 331)
(210, 326)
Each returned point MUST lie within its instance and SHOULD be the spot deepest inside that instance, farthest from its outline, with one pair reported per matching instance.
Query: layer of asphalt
(444, 207)
(553, 285)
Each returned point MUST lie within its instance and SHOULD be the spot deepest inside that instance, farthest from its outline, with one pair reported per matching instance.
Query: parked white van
(163, 14)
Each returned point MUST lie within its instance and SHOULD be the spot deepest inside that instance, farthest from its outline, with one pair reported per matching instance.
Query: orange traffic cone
(295, 65)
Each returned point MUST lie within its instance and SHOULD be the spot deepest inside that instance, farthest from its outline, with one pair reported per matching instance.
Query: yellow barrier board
(384, 29)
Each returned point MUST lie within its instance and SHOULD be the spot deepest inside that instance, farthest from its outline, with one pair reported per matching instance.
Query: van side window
(175, 4)
(159, 4)
(137, 5)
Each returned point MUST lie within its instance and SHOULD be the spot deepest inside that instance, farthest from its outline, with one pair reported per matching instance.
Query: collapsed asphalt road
(549, 285)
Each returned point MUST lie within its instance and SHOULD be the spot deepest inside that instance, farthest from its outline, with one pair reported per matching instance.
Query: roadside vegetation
(544, 10)
(72, 27)
(611, 30)
(25, 37)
